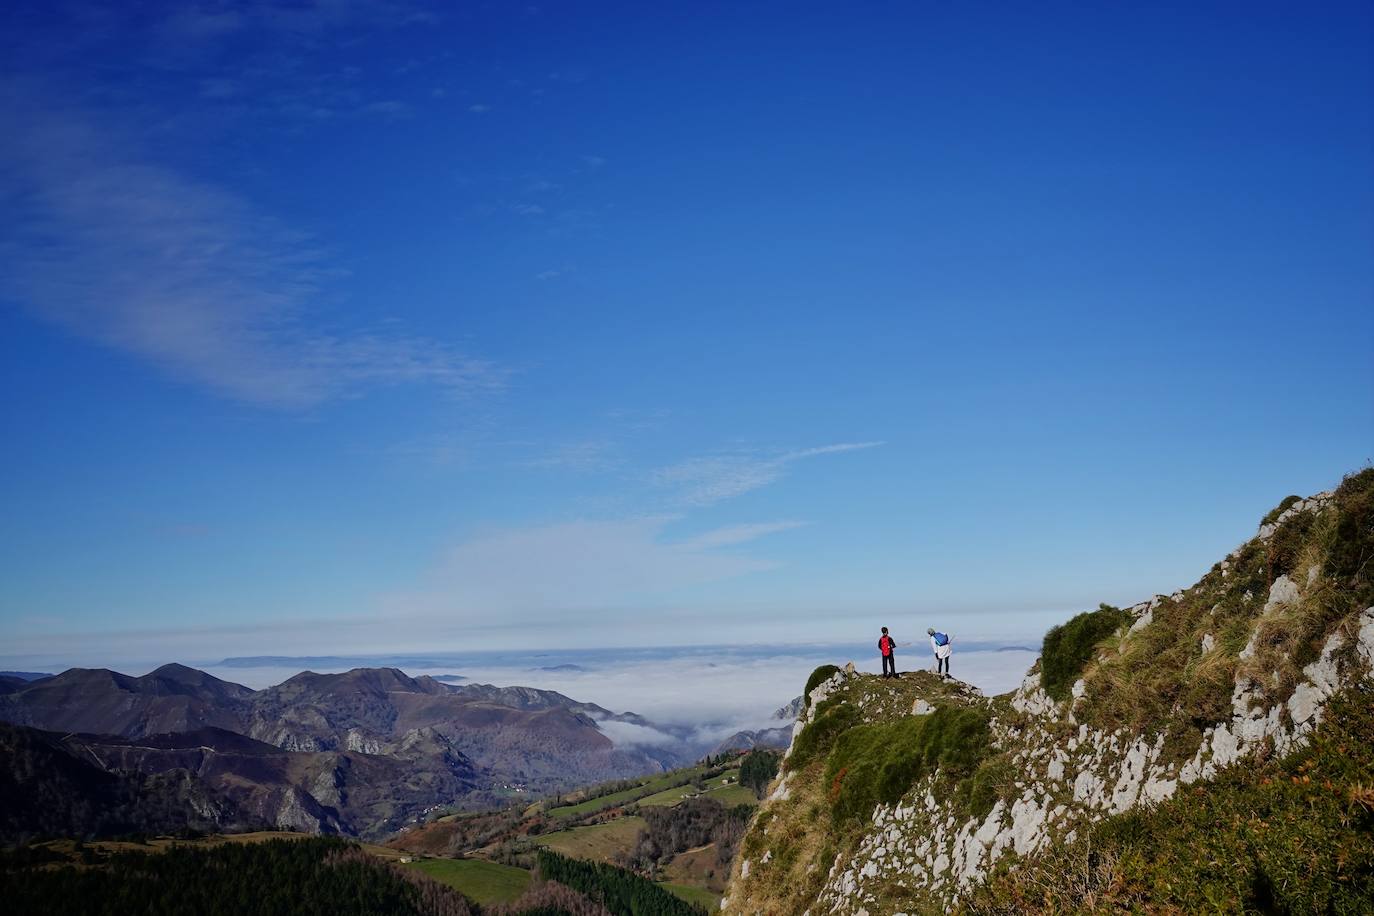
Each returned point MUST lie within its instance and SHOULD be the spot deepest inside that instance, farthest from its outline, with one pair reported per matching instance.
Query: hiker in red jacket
(886, 645)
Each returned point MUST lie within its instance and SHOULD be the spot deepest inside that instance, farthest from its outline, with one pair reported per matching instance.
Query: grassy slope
(668, 797)
(708, 900)
(1284, 836)
(800, 835)
(698, 867)
(485, 882)
(696, 878)
(646, 788)
(599, 842)
(1160, 679)
(724, 788)
(732, 795)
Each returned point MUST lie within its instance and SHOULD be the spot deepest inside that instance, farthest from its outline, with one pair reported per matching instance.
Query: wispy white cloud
(586, 455)
(740, 534)
(711, 479)
(580, 565)
(123, 251)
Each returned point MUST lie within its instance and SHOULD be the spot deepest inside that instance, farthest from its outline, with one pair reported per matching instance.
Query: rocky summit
(1211, 749)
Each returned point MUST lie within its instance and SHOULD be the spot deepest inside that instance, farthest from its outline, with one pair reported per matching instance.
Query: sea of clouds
(702, 693)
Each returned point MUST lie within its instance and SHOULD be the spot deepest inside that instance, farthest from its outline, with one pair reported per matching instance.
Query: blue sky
(374, 326)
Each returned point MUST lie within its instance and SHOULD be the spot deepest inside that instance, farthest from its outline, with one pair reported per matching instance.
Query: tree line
(310, 876)
(621, 892)
(757, 770)
(316, 876)
(691, 823)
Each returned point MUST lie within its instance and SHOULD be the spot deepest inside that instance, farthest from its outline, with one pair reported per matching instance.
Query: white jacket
(941, 651)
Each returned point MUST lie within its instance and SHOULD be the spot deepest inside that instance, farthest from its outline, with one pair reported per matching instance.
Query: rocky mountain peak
(178, 678)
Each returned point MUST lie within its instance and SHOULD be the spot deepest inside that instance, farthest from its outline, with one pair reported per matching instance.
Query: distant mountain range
(779, 736)
(357, 753)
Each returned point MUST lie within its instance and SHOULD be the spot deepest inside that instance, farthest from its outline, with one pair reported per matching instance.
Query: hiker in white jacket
(939, 643)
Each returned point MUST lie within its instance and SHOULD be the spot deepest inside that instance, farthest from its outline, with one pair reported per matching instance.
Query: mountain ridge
(419, 742)
(921, 795)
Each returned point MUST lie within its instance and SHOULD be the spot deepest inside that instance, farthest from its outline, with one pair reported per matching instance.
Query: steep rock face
(319, 792)
(1208, 678)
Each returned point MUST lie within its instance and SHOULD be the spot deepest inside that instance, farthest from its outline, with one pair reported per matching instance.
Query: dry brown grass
(801, 851)
(1079, 880)
(1159, 678)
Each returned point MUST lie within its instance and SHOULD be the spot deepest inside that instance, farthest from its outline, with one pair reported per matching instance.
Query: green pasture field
(485, 882)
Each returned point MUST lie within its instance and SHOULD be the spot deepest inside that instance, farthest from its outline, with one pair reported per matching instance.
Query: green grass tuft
(994, 778)
(832, 718)
(879, 763)
(485, 882)
(1069, 646)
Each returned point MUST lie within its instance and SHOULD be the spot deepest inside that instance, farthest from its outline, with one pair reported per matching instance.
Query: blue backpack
(941, 639)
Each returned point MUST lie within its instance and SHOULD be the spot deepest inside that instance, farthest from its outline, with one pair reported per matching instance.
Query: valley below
(1213, 747)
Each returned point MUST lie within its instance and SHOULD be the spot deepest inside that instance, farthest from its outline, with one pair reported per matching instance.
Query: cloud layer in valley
(712, 691)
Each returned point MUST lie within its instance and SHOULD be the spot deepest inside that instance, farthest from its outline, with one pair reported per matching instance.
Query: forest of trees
(318, 875)
(757, 770)
(47, 791)
(622, 892)
(691, 823)
(310, 876)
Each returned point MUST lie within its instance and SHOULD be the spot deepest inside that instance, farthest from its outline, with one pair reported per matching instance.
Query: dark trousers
(942, 664)
(890, 665)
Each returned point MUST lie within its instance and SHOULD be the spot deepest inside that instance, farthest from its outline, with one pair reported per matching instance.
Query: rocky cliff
(1211, 748)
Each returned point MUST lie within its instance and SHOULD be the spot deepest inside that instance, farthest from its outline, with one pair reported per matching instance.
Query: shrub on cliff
(1068, 647)
(832, 718)
(820, 674)
(1350, 545)
(1274, 513)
